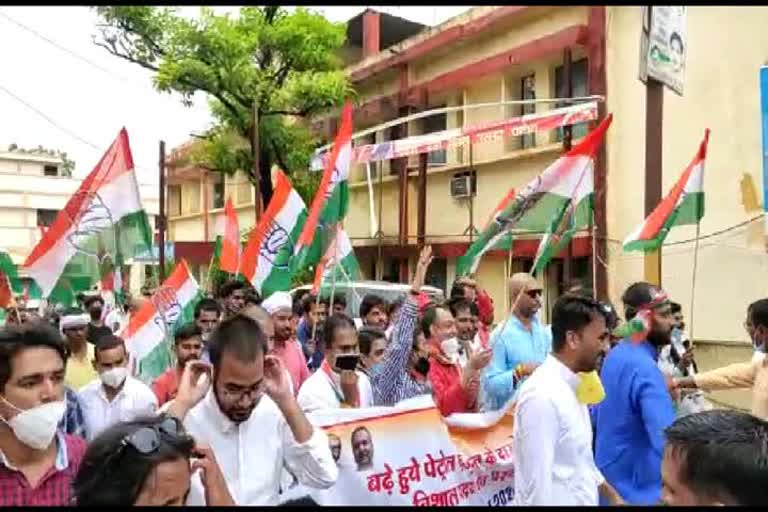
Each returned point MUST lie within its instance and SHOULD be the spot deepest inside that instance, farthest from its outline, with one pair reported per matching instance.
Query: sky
(59, 90)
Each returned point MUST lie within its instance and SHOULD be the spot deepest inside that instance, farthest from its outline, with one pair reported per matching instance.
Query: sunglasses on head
(146, 440)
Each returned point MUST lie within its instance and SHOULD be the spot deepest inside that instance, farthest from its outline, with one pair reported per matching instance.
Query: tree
(285, 62)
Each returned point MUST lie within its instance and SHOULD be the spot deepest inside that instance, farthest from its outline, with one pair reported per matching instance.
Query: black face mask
(422, 366)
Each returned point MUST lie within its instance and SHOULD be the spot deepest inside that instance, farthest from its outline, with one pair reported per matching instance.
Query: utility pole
(255, 153)
(161, 224)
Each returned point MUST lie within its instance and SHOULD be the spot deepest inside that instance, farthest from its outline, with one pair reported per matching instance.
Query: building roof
(393, 29)
(30, 157)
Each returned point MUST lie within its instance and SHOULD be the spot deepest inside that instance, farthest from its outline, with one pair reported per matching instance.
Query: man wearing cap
(630, 421)
(74, 326)
(286, 348)
(520, 343)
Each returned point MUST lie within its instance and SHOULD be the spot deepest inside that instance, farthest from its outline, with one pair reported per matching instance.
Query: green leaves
(285, 61)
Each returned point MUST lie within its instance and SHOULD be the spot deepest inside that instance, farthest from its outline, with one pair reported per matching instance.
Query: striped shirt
(391, 380)
(55, 488)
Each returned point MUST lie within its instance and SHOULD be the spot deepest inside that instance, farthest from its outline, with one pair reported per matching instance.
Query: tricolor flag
(683, 205)
(104, 216)
(149, 334)
(576, 212)
(568, 179)
(338, 263)
(230, 243)
(329, 206)
(489, 239)
(7, 271)
(267, 254)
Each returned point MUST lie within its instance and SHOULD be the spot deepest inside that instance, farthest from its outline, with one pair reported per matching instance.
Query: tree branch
(298, 113)
(278, 156)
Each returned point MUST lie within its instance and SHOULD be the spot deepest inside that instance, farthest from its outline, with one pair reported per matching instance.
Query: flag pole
(335, 264)
(693, 276)
(593, 229)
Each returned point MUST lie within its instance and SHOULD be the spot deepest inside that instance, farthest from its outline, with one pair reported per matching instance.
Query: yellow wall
(722, 93)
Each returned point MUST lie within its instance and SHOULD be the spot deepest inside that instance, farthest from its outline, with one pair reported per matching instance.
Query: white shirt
(252, 454)
(552, 441)
(317, 392)
(134, 400)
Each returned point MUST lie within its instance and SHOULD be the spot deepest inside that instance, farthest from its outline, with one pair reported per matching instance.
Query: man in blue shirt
(630, 422)
(520, 344)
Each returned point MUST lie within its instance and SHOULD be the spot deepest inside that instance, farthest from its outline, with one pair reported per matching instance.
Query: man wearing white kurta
(250, 418)
(552, 439)
(330, 387)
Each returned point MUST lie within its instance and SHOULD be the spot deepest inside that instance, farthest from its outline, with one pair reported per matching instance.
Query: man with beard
(207, 318)
(335, 444)
(465, 314)
(96, 328)
(404, 369)
(630, 421)
(373, 311)
(250, 419)
(362, 448)
(188, 345)
(232, 295)
(552, 438)
(285, 346)
(520, 343)
(751, 374)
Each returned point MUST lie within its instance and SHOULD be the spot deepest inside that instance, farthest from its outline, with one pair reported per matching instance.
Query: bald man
(520, 343)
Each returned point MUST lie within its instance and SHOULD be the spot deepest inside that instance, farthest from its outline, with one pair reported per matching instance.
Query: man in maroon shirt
(188, 346)
(37, 462)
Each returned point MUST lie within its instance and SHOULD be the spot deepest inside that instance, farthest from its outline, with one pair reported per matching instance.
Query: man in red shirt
(454, 388)
(188, 346)
(37, 462)
(280, 306)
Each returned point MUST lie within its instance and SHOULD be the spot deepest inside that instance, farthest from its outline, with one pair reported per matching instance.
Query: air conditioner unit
(461, 186)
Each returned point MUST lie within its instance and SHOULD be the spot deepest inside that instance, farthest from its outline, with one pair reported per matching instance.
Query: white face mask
(450, 348)
(114, 377)
(36, 427)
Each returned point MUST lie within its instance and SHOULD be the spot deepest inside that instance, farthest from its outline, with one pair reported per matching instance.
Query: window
(528, 92)
(579, 84)
(432, 124)
(174, 200)
(218, 192)
(437, 274)
(50, 170)
(46, 217)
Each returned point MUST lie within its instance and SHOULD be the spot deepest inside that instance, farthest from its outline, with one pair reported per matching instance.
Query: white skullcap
(69, 321)
(277, 301)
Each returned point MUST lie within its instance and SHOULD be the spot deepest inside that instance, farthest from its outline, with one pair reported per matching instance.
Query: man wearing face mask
(37, 462)
(552, 435)
(207, 318)
(94, 304)
(752, 374)
(115, 396)
(630, 421)
(336, 383)
(403, 371)
(250, 419)
(454, 388)
(520, 343)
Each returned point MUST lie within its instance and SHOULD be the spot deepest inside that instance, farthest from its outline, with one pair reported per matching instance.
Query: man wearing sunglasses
(250, 418)
(520, 344)
(630, 421)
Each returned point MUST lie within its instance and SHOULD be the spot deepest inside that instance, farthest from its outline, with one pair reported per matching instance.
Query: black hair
(309, 300)
(108, 480)
(758, 313)
(371, 301)
(231, 287)
(572, 313)
(430, 315)
(252, 297)
(14, 339)
(340, 299)
(675, 307)
(395, 305)
(361, 428)
(457, 290)
(108, 342)
(611, 317)
(187, 331)
(305, 501)
(87, 301)
(723, 455)
(457, 304)
(207, 304)
(637, 295)
(366, 336)
(332, 324)
(240, 335)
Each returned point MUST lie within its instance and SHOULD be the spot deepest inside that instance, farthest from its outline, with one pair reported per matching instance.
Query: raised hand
(480, 359)
(195, 382)
(425, 259)
(276, 384)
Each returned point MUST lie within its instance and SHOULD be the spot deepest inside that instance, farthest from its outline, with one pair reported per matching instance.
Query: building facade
(33, 191)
